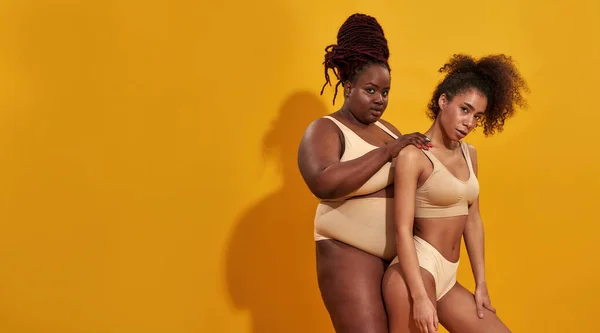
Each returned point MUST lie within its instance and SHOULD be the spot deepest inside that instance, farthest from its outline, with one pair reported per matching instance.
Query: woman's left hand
(482, 300)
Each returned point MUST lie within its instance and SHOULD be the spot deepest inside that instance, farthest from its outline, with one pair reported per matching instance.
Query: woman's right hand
(417, 139)
(425, 316)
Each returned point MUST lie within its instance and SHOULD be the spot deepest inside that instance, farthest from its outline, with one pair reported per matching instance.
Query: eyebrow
(373, 84)
(469, 106)
(472, 108)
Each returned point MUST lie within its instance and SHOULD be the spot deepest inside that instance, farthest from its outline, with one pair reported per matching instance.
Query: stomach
(445, 234)
(365, 223)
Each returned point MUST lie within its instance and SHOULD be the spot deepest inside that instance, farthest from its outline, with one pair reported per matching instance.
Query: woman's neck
(348, 115)
(438, 137)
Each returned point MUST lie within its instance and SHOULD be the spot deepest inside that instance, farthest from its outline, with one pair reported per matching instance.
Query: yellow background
(148, 177)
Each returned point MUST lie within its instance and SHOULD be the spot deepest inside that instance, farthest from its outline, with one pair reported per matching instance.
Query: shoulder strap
(436, 163)
(339, 124)
(385, 129)
(465, 148)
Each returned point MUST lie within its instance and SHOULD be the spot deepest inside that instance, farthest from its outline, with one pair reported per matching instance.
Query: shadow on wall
(271, 268)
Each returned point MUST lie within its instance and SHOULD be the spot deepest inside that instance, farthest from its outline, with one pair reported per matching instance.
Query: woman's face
(367, 98)
(460, 115)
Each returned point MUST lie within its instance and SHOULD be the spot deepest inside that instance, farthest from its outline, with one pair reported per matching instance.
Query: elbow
(323, 194)
(473, 226)
(474, 223)
(318, 185)
(404, 241)
(321, 189)
(403, 234)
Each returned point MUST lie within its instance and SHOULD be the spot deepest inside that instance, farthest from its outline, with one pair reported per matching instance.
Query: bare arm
(474, 241)
(474, 237)
(408, 170)
(319, 160)
(407, 174)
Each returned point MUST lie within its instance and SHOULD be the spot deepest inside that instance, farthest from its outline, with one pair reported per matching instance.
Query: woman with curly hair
(436, 202)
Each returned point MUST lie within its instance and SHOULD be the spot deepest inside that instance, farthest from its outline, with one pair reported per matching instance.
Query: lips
(461, 134)
(376, 112)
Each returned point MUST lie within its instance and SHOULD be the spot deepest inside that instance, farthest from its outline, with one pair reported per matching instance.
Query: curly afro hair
(495, 76)
(360, 43)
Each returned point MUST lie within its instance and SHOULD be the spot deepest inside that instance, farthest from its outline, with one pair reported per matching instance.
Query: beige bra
(355, 147)
(444, 195)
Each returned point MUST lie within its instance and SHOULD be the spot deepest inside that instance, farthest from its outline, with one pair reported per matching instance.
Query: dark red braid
(360, 42)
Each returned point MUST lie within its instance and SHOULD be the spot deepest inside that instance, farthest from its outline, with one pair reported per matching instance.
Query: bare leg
(350, 284)
(458, 313)
(398, 301)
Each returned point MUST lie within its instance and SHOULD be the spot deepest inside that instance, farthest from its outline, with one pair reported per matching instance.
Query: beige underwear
(364, 223)
(443, 271)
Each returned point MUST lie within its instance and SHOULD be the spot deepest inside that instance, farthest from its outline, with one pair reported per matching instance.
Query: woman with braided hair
(436, 202)
(347, 161)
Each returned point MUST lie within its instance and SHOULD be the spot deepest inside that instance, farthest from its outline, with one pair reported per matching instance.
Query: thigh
(397, 299)
(458, 313)
(350, 284)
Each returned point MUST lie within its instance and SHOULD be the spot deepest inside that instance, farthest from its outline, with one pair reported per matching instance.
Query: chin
(454, 135)
(368, 119)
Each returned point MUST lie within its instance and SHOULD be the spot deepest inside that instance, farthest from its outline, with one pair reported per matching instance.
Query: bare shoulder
(411, 158)
(321, 127)
(390, 127)
(411, 152)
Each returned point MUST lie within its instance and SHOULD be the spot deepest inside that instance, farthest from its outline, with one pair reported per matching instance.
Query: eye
(385, 93)
(465, 110)
(477, 117)
(370, 90)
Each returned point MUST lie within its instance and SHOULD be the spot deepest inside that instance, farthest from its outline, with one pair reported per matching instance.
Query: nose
(379, 99)
(470, 122)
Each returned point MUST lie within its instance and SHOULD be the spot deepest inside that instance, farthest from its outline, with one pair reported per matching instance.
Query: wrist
(481, 283)
(419, 297)
(387, 150)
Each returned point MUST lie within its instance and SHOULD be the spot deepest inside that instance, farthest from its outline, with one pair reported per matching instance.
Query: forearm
(409, 265)
(474, 241)
(343, 178)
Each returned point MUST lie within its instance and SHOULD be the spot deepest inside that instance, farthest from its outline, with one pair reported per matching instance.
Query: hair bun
(360, 41)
